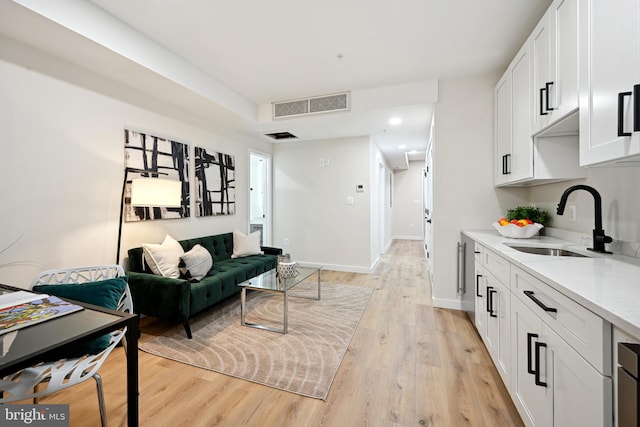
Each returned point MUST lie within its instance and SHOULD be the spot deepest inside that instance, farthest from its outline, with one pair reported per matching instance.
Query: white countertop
(608, 285)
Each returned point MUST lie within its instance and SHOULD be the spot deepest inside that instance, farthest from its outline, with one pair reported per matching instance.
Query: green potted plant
(534, 214)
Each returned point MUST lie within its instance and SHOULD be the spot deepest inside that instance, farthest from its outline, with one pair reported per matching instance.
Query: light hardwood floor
(409, 364)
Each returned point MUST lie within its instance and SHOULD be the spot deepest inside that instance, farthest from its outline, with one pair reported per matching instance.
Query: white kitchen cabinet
(492, 309)
(566, 351)
(514, 146)
(555, 64)
(545, 65)
(552, 384)
(609, 75)
(480, 314)
(497, 338)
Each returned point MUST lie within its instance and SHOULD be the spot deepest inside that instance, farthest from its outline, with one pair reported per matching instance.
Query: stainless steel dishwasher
(628, 384)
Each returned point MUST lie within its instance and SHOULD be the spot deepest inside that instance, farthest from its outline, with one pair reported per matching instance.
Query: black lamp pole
(124, 184)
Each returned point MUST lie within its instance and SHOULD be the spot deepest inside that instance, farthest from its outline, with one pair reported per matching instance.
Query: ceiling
(240, 56)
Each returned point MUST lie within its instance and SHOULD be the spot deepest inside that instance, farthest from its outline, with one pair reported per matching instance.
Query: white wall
(464, 192)
(407, 209)
(618, 187)
(62, 171)
(310, 202)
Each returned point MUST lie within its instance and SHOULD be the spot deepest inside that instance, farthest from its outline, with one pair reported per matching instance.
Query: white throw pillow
(163, 259)
(197, 263)
(244, 245)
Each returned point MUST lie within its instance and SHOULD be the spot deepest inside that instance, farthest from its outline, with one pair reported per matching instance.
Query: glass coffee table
(270, 282)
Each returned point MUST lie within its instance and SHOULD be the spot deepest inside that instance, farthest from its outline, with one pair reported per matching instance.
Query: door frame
(267, 182)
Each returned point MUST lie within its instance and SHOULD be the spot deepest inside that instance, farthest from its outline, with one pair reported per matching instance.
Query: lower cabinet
(552, 353)
(552, 385)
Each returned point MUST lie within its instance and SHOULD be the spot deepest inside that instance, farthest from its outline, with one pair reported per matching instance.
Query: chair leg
(103, 412)
(187, 329)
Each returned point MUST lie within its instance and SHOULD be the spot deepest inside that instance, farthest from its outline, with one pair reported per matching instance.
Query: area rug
(304, 361)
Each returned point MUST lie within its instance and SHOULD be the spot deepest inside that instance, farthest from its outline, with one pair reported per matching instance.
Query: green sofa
(180, 299)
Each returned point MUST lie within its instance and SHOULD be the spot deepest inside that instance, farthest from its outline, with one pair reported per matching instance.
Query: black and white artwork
(169, 158)
(215, 183)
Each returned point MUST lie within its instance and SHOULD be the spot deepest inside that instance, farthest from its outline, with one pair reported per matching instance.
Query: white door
(259, 197)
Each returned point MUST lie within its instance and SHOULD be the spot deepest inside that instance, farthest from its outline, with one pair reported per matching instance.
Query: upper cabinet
(609, 81)
(513, 105)
(555, 64)
(536, 130)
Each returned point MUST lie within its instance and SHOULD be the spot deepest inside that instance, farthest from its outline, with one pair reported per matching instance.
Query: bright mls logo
(34, 415)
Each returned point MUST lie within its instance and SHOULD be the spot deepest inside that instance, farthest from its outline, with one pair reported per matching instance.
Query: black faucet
(599, 238)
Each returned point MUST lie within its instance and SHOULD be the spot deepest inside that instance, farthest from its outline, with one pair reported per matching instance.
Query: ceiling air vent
(310, 106)
(278, 136)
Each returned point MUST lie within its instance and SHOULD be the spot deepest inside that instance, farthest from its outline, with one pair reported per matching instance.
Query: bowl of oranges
(517, 228)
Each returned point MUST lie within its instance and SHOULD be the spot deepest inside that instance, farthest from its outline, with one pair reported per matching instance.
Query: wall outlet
(571, 213)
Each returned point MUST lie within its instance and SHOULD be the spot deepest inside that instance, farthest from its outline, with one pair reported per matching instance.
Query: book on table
(21, 309)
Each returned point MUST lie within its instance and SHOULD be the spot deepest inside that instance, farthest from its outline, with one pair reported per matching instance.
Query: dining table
(37, 343)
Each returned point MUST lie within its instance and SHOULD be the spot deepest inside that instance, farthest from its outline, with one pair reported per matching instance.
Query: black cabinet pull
(621, 97)
(537, 370)
(488, 294)
(636, 108)
(529, 368)
(542, 97)
(505, 164)
(478, 276)
(547, 91)
(492, 313)
(540, 303)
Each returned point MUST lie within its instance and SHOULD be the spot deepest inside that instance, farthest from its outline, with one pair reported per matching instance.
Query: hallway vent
(309, 106)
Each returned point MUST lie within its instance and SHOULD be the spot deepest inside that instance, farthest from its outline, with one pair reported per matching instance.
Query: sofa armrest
(158, 296)
(268, 250)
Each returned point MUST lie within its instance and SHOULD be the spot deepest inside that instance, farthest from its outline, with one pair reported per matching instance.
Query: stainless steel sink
(547, 251)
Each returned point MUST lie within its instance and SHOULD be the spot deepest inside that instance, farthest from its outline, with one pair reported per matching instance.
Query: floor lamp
(149, 192)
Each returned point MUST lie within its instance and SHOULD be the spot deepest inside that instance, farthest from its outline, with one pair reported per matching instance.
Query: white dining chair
(49, 377)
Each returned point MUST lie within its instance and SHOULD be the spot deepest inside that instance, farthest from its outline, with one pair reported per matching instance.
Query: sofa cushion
(163, 258)
(196, 263)
(245, 245)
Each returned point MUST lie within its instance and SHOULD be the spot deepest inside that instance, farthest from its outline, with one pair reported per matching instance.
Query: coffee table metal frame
(270, 282)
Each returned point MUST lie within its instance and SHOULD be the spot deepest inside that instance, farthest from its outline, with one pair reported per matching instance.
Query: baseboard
(345, 268)
(453, 304)
(407, 238)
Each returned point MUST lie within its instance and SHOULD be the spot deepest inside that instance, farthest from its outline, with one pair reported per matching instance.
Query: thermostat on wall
(359, 188)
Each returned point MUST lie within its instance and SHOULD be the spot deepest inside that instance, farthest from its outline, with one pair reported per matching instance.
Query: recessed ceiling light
(395, 120)
(402, 147)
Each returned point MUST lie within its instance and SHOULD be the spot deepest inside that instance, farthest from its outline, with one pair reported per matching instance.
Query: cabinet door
(522, 103)
(610, 49)
(563, 31)
(534, 402)
(481, 307)
(582, 397)
(541, 79)
(503, 129)
(498, 325)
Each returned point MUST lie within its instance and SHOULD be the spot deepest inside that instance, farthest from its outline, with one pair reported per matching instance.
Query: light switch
(349, 200)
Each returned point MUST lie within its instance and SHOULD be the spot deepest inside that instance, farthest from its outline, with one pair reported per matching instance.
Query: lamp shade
(156, 192)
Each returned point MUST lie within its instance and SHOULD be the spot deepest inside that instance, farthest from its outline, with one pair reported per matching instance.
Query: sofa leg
(187, 329)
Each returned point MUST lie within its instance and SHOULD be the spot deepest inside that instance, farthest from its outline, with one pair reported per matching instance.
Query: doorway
(259, 195)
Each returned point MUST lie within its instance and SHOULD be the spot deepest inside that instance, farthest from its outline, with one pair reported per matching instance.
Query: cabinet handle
(478, 276)
(540, 303)
(488, 294)
(636, 108)
(542, 98)
(492, 313)
(529, 368)
(621, 97)
(547, 91)
(505, 164)
(537, 371)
